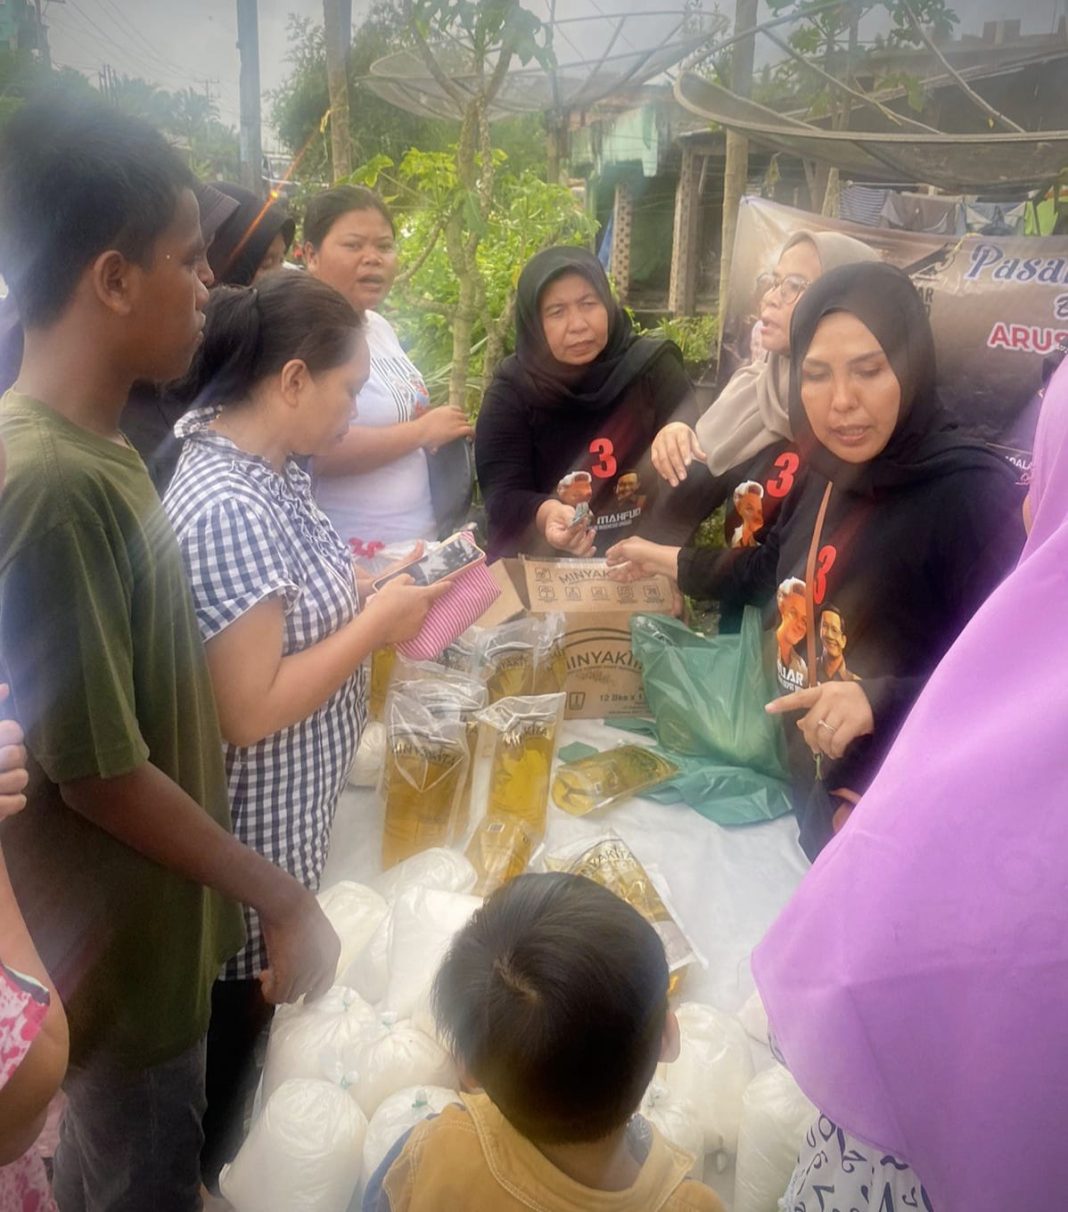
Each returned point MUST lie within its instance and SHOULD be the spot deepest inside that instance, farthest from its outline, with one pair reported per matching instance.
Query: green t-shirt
(100, 644)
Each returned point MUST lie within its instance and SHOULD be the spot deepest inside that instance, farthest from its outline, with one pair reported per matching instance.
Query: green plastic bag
(707, 693)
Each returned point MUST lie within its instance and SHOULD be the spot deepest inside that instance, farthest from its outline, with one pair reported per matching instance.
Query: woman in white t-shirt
(375, 484)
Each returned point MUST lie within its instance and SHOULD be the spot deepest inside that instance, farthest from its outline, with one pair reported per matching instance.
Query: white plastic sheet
(397, 1115)
(728, 885)
(303, 1154)
(775, 1118)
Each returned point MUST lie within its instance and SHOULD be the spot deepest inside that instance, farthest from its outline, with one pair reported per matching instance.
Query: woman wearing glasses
(746, 436)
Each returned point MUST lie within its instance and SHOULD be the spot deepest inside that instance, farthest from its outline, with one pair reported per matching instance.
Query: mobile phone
(446, 560)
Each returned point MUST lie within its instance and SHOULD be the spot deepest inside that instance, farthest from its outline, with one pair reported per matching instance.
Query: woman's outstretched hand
(674, 448)
(555, 521)
(635, 559)
(836, 713)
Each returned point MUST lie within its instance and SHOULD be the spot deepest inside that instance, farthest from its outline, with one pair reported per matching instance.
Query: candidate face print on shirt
(790, 634)
(748, 501)
(833, 641)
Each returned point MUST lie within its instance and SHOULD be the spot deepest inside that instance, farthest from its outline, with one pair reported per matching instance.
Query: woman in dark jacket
(562, 440)
(899, 532)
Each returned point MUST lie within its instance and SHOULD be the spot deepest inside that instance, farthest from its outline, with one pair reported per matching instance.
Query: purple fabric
(917, 983)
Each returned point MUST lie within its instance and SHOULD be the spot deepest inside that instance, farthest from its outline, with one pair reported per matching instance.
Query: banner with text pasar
(998, 307)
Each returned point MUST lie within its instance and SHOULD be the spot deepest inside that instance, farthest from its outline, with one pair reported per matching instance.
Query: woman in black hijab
(900, 531)
(252, 241)
(562, 440)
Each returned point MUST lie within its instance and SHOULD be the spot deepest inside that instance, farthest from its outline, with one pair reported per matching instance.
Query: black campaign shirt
(526, 454)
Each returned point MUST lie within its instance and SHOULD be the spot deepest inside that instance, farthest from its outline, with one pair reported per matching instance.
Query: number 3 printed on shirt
(787, 464)
(824, 563)
(606, 467)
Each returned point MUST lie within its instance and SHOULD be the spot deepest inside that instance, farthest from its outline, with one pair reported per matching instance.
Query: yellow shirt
(471, 1158)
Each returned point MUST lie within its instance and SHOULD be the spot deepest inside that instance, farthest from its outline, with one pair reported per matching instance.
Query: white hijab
(752, 411)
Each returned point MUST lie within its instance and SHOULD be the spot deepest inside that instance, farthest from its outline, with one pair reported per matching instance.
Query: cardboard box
(603, 677)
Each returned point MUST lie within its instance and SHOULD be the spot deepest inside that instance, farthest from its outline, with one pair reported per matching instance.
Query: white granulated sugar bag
(754, 1018)
(775, 1118)
(370, 756)
(397, 1115)
(303, 1154)
(714, 1067)
(394, 1057)
(368, 973)
(355, 911)
(319, 1040)
(423, 924)
(676, 1122)
(438, 868)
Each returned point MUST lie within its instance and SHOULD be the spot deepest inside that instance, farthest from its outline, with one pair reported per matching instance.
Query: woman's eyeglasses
(790, 288)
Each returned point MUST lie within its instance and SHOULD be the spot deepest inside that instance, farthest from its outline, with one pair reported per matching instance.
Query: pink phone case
(470, 594)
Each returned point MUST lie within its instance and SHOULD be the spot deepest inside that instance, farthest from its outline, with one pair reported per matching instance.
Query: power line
(132, 62)
(108, 48)
(127, 27)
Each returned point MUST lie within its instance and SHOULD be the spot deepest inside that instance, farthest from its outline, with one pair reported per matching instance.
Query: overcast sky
(178, 42)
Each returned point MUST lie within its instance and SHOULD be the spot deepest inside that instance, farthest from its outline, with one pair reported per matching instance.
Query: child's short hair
(554, 998)
(77, 179)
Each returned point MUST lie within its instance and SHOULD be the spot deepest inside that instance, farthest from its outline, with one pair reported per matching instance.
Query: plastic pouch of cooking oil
(382, 662)
(423, 778)
(505, 658)
(550, 653)
(603, 779)
(610, 862)
(524, 739)
(500, 849)
(447, 694)
(462, 654)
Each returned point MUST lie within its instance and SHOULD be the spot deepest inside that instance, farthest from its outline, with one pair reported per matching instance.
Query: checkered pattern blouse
(248, 533)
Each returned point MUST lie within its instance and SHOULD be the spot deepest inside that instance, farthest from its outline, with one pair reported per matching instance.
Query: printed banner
(998, 306)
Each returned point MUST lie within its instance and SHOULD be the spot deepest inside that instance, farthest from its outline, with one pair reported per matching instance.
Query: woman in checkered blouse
(279, 609)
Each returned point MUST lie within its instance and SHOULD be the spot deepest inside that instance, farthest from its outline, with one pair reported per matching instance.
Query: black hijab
(537, 377)
(242, 241)
(924, 443)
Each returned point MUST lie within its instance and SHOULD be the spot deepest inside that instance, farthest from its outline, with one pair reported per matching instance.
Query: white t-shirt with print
(391, 504)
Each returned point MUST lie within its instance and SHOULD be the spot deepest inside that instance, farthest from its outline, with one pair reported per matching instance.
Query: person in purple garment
(929, 1028)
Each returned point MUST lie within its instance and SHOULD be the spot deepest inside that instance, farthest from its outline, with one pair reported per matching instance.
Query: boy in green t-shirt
(123, 860)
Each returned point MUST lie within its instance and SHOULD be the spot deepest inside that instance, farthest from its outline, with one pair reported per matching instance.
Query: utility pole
(736, 170)
(337, 29)
(42, 40)
(248, 43)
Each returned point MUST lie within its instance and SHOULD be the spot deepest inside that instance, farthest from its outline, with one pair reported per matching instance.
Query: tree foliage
(526, 215)
(22, 76)
(830, 39)
(299, 105)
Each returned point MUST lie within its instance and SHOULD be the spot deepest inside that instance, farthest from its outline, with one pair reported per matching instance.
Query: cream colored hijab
(752, 411)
